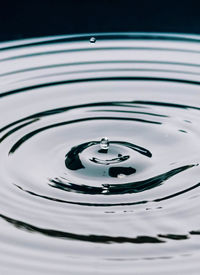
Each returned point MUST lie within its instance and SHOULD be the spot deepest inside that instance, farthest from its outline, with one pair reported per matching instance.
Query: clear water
(99, 155)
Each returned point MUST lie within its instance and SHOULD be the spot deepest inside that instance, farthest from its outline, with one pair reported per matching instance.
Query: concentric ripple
(99, 155)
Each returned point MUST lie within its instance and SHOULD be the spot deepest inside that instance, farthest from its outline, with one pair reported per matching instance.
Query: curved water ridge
(99, 154)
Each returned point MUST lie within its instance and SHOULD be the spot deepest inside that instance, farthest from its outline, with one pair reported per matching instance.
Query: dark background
(24, 19)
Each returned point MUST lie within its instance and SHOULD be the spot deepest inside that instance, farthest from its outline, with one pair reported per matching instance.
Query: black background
(24, 19)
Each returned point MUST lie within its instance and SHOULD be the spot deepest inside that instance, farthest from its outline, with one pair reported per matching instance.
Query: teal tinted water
(71, 204)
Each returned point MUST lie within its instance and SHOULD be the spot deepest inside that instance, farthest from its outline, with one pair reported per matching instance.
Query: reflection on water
(99, 155)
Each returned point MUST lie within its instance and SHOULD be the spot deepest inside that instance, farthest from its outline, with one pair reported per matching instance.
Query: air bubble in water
(104, 143)
(92, 40)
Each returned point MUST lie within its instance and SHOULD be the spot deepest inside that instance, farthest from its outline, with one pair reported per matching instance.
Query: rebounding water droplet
(104, 143)
(92, 40)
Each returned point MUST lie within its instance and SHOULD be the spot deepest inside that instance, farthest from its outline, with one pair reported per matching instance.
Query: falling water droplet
(92, 40)
(104, 143)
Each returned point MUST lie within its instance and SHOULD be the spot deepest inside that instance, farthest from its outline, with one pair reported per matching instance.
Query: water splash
(140, 91)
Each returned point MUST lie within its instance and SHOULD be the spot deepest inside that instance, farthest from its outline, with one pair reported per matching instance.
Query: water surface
(99, 155)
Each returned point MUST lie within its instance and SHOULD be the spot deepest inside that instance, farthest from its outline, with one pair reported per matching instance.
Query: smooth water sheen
(99, 155)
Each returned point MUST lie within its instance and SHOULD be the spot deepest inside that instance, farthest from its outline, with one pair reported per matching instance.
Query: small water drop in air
(104, 143)
(92, 40)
